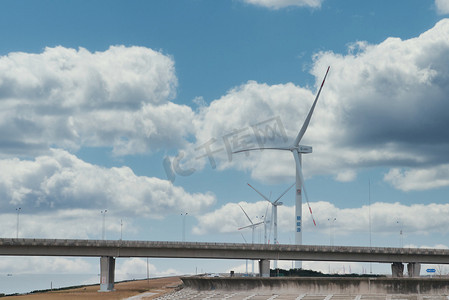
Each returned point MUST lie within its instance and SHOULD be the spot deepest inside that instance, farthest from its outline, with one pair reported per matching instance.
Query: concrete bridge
(109, 250)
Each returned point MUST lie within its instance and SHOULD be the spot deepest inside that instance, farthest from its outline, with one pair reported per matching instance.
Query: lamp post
(103, 212)
(121, 229)
(401, 237)
(17, 229)
(184, 226)
(331, 230)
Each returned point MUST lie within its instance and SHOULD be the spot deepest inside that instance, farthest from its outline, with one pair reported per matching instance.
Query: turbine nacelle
(300, 149)
(304, 149)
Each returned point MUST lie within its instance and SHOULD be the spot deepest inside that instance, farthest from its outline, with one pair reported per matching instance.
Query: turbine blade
(311, 214)
(309, 115)
(266, 214)
(307, 198)
(283, 194)
(248, 226)
(254, 225)
(271, 148)
(244, 238)
(263, 196)
(246, 214)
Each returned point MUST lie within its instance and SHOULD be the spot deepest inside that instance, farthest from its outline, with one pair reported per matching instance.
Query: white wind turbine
(265, 222)
(297, 151)
(274, 213)
(252, 226)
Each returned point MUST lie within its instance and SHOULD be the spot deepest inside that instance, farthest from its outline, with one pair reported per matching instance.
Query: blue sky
(96, 96)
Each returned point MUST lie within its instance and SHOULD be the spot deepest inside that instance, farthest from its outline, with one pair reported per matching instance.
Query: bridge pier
(264, 268)
(397, 269)
(413, 269)
(107, 270)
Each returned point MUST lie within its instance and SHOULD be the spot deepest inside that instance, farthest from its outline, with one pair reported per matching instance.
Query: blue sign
(430, 270)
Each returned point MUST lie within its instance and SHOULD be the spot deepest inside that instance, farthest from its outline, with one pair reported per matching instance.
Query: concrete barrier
(318, 285)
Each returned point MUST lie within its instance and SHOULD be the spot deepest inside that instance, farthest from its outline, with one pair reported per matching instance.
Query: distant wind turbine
(252, 226)
(297, 151)
(275, 205)
(265, 222)
(274, 213)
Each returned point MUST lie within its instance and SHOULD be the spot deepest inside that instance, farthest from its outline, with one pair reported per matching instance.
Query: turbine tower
(297, 151)
(274, 213)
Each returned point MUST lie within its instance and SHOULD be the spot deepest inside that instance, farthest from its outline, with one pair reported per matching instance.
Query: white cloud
(416, 218)
(229, 218)
(382, 105)
(71, 98)
(62, 181)
(135, 268)
(126, 268)
(46, 265)
(278, 4)
(442, 6)
(419, 179)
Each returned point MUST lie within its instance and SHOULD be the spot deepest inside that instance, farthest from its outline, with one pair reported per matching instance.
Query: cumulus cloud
(418, 179)
(278, 4)
(266, 116)
(62, 181)
(418, 218)
(229, 218)
(135, 268)
(389, 100)
(126, 268)
(46, 265)
(382, 105)
(63, 97)
(442, 6)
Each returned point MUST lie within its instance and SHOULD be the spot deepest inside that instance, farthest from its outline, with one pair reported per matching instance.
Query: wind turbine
(297, 151)
(265, 222)
(275, 205)
(274, 213)
(252, 226)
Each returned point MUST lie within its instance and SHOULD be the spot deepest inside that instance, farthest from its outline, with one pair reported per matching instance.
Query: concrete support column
(264, 268)
(397, 269)
(107, 270)
(413, 269)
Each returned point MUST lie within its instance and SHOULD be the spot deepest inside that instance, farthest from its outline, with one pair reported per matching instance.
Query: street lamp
(184, 226)
(103, 212)
(18, 212)
(331, 230)
(401, 237)
(121, 229)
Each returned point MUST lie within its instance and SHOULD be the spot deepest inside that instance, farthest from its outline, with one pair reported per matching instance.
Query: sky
(135, 107)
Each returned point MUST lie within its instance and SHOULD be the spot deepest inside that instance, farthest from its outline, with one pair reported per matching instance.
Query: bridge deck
(121, 248)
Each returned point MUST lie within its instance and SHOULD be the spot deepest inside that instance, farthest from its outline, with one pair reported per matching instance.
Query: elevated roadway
(109, 250)
(117, 248)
